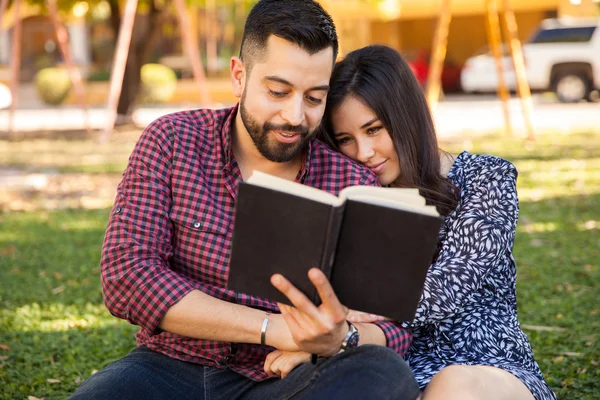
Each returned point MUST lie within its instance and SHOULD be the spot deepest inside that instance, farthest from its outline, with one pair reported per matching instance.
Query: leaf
(3, 358)
(8, 251)
(4, 347)
(542, 328)
(52, 380)
(34, 398)
(59, 289)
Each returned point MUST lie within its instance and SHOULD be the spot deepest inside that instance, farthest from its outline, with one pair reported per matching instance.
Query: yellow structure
(409, 24)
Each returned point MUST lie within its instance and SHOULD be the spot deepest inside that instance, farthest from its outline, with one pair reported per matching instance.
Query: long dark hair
(379, 77)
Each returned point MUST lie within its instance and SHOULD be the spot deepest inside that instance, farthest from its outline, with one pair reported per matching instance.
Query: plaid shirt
(171, 226)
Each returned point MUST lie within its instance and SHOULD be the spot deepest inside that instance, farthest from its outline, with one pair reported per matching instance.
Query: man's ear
(238, 76)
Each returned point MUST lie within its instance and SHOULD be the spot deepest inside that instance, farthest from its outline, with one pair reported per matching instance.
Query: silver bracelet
(263, 330)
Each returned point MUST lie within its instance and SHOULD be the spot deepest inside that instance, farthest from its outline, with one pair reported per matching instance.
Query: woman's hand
(365, 318)
(283, 362)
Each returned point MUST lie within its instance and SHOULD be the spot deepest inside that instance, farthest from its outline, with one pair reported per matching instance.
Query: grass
(54, 330)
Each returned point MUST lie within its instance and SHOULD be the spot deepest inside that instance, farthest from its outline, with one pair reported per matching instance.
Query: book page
(399, 205)
(405, 195)
(297, 189)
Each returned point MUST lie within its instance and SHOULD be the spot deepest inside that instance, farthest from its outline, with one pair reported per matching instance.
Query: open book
(375, 244)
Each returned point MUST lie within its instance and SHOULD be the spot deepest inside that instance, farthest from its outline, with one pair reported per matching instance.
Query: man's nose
(293, 112)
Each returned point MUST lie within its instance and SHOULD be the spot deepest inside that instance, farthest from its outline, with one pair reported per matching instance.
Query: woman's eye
(277, 94)
(343, 141)
(314, 100)
(373, 130)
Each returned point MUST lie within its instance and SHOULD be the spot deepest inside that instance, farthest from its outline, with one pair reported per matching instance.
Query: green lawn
(54, 330)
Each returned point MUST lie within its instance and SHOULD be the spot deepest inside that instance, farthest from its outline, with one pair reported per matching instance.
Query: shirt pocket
(201, 243)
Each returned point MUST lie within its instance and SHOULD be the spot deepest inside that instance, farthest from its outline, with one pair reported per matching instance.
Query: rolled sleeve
(137, 282)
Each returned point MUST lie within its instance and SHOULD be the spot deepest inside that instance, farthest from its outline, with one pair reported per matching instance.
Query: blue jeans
(367, 372)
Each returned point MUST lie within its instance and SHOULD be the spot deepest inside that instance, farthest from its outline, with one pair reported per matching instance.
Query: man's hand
(318, 330)
(283, 362)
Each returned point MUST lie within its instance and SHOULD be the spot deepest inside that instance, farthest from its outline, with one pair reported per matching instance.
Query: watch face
(353, 341)
(354, 337)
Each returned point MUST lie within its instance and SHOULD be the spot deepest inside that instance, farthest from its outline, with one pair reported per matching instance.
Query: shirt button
(118, 210)
(226, 360)
(196, 224)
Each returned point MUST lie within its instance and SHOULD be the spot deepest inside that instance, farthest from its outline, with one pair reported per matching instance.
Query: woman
(467, 341)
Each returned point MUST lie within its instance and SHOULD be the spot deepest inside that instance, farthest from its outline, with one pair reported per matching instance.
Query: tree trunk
(142, 43)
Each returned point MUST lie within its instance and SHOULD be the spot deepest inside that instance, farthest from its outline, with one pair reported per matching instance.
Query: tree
(145, 36)
(143, 40)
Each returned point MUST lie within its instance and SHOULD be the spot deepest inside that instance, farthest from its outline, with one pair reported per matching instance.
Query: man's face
(284, 97)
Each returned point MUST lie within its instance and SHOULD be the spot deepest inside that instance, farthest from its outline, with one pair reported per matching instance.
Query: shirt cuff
(398, 338)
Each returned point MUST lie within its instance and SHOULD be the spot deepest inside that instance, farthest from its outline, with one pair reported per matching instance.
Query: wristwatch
(352, 338)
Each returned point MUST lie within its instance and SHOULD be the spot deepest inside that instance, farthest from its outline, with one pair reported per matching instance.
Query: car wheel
(593, 96)
(571, 87)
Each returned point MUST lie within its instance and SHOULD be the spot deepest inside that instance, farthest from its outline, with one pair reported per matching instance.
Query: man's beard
(273, 150)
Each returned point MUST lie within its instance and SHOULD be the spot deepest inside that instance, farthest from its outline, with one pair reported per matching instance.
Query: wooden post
(15, 66)
(63, 43)
(192, 52)
(3, 5)
(438, 55)
(210, 16)
(519, 64)
(118, 68)
(494, 39)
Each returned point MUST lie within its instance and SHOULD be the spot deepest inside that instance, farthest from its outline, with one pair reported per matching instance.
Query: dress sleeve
(476, 240)
(137, 282)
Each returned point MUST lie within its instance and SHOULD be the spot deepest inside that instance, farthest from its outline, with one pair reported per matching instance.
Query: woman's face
(361, 136)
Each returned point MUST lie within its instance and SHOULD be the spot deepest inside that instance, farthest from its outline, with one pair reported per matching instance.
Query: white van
(562, 56)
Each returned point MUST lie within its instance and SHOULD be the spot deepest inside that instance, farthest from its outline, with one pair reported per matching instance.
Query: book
(374, 244)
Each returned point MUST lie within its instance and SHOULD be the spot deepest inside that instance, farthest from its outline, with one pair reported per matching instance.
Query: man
(166, 251)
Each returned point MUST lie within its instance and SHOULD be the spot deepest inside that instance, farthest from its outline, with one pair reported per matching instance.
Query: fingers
(361, 317)
(271, 357)
(296, 297)
(292, 362)
(326, 293)
(286, 362)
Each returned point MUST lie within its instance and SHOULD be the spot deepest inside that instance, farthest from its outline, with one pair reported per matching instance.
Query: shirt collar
(226, 136)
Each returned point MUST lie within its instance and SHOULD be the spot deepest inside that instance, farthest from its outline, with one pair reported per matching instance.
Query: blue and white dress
(468, 314)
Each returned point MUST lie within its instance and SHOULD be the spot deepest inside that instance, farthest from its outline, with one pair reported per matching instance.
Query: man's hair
(302, 22)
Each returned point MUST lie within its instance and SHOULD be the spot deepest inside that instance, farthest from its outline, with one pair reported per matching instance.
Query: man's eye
(277, 94)
(314, 100)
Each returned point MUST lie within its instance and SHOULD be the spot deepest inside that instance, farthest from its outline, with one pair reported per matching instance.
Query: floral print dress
(468, 310)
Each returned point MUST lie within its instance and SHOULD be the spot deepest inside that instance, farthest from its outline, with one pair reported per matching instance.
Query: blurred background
(61, 159)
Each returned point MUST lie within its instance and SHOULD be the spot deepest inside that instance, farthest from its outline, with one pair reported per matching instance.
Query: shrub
(53, 85)
(158, 84)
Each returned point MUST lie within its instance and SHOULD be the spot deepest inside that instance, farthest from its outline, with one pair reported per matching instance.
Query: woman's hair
(381, 79)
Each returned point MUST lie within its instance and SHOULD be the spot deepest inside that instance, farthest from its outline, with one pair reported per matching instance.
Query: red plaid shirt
(170, 232)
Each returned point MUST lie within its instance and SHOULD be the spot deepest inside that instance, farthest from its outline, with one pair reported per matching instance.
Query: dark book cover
(276, 232)
(382, 258)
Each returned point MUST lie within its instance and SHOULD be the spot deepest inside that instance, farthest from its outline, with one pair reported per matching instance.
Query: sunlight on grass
(588, 225)
(43, 318)
(83, 224)
(539, 227)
